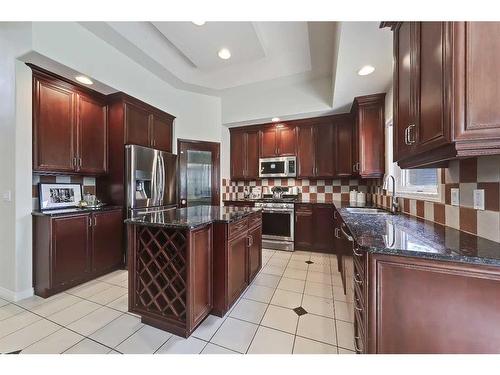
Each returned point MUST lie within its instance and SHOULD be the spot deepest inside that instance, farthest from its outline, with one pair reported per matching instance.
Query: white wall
(15, 161)
(198, 117)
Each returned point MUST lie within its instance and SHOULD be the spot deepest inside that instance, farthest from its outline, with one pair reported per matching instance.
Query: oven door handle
(277, 211)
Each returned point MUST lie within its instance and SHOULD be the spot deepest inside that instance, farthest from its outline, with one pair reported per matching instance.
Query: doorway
(199, 168)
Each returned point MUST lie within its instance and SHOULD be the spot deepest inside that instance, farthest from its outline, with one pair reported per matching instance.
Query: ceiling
(270, 57)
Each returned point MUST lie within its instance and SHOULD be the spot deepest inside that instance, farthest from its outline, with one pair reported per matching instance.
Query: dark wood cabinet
(445, 89)
(107, 239)
(314, 227)
(70, 126)
(237, 259)
(244, 154)
(343, 149)
(277, 140)
(92, 135)
(237, 266)
(74, 248)
(137, 125)
(304, 226)
(254, 251)
(70, 249)
(131, 121)
(370, 135)
(325, 146)
(305, 151)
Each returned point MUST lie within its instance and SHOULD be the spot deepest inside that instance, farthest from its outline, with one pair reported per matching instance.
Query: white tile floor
(93, 318)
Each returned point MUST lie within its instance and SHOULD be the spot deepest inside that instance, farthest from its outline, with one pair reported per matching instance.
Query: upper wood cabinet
(343, 149)
(277, 140)
(70, 127)
(305, 151)
(148, 128)
(368, 112)
(445, 91)
(244, 154)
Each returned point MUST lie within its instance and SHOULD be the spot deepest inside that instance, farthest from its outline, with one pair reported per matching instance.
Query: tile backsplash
(88, 184)
(466, 175)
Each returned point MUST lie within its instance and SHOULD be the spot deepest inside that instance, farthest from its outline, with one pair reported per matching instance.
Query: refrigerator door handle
(161, 184)
(154, 181)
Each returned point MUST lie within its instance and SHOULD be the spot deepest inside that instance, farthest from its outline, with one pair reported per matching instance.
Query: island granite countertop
(191, 217)
(406, 235)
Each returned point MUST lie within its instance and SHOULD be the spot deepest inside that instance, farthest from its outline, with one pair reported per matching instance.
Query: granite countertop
(405, 235)
(192, 217)
(73, 210)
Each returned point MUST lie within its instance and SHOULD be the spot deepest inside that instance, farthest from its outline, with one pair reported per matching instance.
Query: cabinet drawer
(237, 227)
(255, 220)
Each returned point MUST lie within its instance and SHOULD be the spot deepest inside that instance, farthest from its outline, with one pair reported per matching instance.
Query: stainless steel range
(277, 222)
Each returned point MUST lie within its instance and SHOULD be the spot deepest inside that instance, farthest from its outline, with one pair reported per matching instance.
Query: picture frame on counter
(59, 195)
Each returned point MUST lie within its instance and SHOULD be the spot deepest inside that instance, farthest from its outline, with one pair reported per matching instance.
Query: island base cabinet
(427, 306)
(237, 259)
(170, 283)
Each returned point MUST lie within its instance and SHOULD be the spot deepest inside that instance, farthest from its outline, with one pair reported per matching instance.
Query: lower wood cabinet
(237, 259)
(314, 227)
(74, 248)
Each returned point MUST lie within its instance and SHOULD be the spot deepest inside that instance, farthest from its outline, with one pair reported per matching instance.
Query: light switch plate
(7, 196)
(479, 199)
(455, 197)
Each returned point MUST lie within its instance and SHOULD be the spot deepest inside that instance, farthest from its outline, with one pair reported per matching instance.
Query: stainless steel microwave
(278, 167)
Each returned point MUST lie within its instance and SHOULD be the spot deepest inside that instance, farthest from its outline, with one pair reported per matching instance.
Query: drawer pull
(356, 305)
(355, 253)
(356, 338)
(356, 279)
(349, 238)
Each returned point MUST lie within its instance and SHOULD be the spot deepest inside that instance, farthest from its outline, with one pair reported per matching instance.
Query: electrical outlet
(479, 199)
(455, 197)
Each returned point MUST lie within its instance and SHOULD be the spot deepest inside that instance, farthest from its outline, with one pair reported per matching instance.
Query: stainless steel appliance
(278, 167)
(151, 181)
(277, 223)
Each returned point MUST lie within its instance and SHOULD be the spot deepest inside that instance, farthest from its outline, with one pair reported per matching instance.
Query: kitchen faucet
(394, 199)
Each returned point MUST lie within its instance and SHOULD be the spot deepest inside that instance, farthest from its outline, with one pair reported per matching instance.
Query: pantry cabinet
(70, 127)
(69, 249)
(445, 91)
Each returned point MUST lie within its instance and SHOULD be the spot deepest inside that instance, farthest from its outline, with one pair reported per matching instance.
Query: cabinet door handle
(355, 253)
(356, 305)
(90, 221)
(337, 235)
(74, 162)
(335, 214)
(95, 221)
(349, 238)
(411, 140)
(406, 135)
(355, 344)
(357, 166)
(356, 279)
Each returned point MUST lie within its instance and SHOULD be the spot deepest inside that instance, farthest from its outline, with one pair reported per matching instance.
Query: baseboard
(15, 296)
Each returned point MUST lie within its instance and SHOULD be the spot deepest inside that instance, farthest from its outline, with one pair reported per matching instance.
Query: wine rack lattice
(161, 271)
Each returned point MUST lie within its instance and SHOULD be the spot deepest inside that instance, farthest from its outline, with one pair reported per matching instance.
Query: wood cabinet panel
(238, 162)
(325, 150)
(268, 142)
(304, 226)
(92, 136)
(161, 132)
(107, 240)
(252, 155)
(201, 274)
(254, 252)
(305, 151)
(137, 125)
(71, 257)
(54, 134)
(237, 266)
(323, 228)
(286, 141)
(343, 149)
(424, 306)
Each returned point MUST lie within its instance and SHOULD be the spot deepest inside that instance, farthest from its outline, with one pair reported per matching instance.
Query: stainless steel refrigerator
(151, 179)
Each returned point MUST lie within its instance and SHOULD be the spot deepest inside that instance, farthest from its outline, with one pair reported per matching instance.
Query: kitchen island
(171, 258)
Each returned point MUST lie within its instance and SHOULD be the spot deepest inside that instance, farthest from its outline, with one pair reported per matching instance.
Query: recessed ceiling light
(275, 119)
(224, 53)
(199, 23)
(84, 80)
(365, 70)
